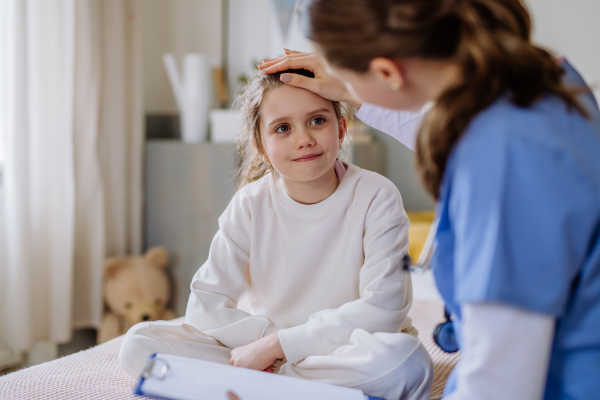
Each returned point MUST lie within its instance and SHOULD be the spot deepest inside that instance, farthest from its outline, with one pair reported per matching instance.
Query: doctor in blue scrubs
(510, 149)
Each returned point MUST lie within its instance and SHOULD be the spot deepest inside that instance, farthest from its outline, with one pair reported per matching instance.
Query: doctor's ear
(388, 71)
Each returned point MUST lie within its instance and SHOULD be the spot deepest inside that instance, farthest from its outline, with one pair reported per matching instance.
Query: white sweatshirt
(315, 273)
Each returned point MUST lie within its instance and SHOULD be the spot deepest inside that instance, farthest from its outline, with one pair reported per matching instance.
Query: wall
(178, 27)
(255, 34)
(572, 29)
(401, 170)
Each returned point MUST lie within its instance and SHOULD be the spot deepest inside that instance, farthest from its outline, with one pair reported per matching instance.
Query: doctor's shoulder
(548, 125)
(544, 141)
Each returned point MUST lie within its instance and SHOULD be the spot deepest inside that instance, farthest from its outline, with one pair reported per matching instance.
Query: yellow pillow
(420, 221)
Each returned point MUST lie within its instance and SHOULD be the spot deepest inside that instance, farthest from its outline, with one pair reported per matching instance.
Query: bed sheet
(95, 374)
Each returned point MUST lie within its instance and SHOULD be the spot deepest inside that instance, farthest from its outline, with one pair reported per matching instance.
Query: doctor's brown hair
(488, 39)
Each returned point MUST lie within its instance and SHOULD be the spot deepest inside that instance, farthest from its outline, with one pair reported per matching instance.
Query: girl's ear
(342, 129)
(262, 155)
(388, 71)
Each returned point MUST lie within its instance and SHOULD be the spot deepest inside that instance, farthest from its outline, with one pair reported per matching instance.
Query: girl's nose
(304, 139)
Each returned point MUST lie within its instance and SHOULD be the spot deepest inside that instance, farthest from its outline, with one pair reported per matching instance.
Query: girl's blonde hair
(251, 165)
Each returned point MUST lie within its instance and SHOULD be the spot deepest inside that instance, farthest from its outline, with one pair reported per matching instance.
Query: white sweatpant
(389, 365)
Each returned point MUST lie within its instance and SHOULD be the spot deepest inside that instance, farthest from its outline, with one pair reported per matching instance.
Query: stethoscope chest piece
(444, 336)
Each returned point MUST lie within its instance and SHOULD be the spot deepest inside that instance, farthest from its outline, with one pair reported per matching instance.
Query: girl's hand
(258, 355)
(322, 84)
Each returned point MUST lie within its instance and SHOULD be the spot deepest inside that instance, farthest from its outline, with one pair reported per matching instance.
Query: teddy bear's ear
(157, 256)
(112, 265)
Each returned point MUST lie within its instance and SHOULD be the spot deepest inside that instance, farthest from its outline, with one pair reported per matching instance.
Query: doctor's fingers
(232, 396)
(308, 61)
(322, 84)
(289, 54)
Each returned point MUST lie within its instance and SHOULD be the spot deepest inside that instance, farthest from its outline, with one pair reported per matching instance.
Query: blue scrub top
(519, 225)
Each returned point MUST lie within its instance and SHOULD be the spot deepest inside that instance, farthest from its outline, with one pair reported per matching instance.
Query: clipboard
(172, 377)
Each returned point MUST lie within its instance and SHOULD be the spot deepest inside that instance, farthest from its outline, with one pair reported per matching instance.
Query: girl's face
(300, 133)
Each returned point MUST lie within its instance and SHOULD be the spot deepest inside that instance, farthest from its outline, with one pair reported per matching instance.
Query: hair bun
(401, 17)
(411, 14)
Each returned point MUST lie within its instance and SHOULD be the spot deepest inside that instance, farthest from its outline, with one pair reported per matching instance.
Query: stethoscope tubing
(443, 334)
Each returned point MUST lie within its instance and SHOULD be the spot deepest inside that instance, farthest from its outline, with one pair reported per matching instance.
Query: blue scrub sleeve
(518, 212)
(573, 80)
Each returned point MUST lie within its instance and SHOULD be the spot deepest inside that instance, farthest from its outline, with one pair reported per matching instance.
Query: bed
(95, 374)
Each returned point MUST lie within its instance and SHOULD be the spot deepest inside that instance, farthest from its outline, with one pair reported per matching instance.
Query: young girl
(316, 246)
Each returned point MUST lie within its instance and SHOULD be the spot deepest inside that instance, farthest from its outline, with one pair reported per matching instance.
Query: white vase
(224, 126)
(193, 92)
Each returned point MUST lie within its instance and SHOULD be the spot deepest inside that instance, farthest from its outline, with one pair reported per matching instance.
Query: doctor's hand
(322, 84)
(258, 355)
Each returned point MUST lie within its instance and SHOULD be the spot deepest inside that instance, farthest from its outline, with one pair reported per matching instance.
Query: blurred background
(101, 155)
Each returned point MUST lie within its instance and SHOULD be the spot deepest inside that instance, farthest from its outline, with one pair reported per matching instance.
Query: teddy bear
(136, 289)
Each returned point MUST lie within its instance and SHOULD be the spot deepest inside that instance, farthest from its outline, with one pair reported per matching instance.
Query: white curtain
(72, 125)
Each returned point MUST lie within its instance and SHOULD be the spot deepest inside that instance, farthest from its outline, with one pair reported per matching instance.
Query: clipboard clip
(147, 371)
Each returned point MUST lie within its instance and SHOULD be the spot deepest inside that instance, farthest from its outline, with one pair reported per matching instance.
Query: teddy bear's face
(137, 290)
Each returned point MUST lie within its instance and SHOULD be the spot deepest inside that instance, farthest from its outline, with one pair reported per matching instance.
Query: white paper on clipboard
(182, 378)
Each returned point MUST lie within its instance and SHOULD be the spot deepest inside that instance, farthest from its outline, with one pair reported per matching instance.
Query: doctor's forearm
(505, 353)
(401, 125)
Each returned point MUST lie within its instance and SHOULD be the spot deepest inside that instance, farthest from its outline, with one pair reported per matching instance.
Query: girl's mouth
(308, 157)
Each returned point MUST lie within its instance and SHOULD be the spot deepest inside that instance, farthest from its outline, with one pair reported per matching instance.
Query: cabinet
(187, 188)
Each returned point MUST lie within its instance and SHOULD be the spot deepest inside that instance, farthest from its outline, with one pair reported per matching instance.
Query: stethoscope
(443, 334)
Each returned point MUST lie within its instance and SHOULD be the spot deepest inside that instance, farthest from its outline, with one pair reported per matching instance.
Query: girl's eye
(317, 121)
(282, 129)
